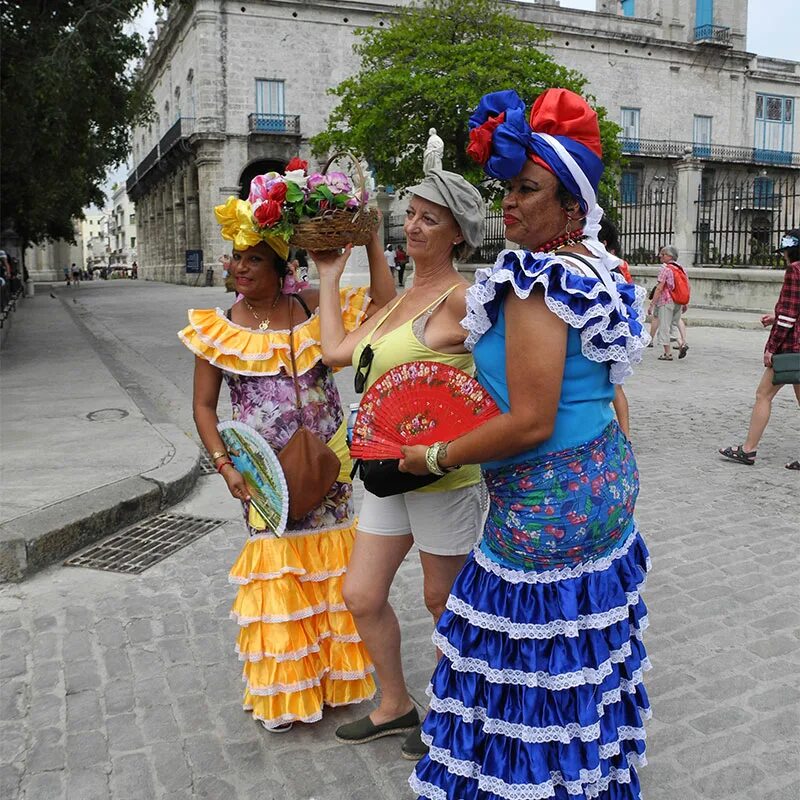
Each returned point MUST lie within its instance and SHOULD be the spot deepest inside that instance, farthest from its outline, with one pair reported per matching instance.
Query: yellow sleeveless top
(401, 346)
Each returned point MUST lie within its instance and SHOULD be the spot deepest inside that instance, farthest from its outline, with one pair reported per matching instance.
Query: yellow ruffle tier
(299, 644)
(212, 336)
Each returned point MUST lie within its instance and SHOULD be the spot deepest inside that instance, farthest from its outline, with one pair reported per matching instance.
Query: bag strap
(294, 363)
(602, 273)
(303, 303)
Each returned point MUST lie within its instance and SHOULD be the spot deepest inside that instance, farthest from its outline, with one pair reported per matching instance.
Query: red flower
(480, 139)
(268, 213)
(277, 192)
(297, 163)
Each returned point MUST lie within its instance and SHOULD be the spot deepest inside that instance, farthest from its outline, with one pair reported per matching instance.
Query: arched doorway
(257, 168)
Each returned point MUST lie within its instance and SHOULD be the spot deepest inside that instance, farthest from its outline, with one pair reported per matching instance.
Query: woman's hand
(331, 263)
(767, 320)
(413, 460)
(236, 483)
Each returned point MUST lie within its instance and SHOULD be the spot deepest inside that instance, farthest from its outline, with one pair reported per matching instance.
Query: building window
(133, 242)
(630, 130)
(774, 128)
(763, 192)
(132, 219)
(629, 187)
(703, 13)
(701, 136)
(269, 97)
(627, 7)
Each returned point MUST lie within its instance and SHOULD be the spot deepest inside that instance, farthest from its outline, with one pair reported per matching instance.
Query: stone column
(210, 180)
(169, 233)
(192, 208)
(687, 192)
(179, 205)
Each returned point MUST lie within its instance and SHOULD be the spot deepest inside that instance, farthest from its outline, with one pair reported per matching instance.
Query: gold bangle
(217, 454)
(432, 459)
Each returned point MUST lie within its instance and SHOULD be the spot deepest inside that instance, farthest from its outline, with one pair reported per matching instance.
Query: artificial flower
(315, 180)
(235, 217)
(260, 186)
(298, 177)
(338, 182)
(268, 213)
(297, 163)
(277, 192)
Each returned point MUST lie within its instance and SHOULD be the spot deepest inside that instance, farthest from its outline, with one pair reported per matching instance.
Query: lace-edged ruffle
(610, 323)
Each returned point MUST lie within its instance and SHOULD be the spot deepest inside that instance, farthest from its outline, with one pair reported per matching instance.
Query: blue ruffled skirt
(539, 691)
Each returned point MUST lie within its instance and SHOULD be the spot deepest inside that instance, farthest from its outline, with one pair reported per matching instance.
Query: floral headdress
(278, 202)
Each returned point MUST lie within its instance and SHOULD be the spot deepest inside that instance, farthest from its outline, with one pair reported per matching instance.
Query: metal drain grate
(135, 549)
(206, 464)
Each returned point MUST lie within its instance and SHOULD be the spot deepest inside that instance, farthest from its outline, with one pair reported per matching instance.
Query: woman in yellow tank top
(444, 220)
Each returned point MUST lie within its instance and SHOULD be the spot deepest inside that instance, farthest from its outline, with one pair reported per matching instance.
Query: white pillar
(687, 193)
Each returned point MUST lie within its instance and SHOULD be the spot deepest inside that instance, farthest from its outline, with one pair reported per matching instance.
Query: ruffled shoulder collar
(234, 348)
(607, 311)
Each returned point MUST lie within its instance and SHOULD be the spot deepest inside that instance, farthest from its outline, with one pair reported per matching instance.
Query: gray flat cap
(450, 190)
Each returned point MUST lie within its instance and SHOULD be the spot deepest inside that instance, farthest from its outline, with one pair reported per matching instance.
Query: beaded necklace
(573, 237)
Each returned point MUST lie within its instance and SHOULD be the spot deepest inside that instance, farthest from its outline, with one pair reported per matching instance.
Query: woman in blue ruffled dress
(539, 692)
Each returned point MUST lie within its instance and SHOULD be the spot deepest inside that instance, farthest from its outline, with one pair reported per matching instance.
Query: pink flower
(260, 186)
(338, 183)
(315, 180)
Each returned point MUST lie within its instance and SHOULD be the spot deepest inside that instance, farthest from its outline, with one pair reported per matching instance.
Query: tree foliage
(69, 98)
(428, 67)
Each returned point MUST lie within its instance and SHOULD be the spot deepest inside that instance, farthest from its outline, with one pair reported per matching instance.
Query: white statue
(369, 178)
(434, 150)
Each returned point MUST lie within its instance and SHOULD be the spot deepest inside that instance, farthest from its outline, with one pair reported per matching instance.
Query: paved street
(127, 687)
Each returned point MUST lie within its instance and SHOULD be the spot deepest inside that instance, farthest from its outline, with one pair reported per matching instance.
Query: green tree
(429, 66)
(69, 97)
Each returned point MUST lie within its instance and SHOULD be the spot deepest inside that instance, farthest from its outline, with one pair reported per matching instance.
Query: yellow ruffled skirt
(299, 644)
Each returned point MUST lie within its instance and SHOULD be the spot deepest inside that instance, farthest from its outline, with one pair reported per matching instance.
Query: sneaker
(365, 730)
(285, 728)
(413, 747)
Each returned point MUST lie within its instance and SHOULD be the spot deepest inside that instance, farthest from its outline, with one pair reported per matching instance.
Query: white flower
(297, 176)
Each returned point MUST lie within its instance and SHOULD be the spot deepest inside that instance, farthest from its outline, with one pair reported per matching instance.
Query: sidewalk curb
(36, 540)
(716, 322)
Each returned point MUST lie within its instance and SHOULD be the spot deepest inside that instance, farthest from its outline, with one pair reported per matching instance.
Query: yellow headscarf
(236, 218)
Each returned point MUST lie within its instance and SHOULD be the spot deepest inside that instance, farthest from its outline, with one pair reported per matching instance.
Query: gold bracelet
(217, 454)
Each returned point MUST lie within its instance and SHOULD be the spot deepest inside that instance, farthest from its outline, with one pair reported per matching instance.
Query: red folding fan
(420, 402)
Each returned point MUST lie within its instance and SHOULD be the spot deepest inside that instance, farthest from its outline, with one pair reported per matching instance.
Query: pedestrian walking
(391, 259)
(401, 260)
(539, 692)
(670, 299)
(68, 276)
(134, 271)
(299, 645)
(76, 273)
(444, 221)
(784, 338)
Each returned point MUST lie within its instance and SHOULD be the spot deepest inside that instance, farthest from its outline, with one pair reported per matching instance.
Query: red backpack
(681, 292)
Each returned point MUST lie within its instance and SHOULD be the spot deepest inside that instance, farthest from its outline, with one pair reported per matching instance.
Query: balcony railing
(713, 34)
(286, 124)
(661, 148)
(181, 129)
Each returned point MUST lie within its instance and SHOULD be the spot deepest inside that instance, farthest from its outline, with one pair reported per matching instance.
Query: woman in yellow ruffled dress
(297, 640)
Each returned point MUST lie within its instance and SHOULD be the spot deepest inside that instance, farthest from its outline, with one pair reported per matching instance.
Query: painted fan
(420, 402)
(268, 506)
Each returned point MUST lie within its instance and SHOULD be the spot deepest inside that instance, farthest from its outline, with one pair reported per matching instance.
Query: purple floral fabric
(267, 404)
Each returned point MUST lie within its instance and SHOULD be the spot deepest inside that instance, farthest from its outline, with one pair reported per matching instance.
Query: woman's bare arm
(620, 404)
(381, 281)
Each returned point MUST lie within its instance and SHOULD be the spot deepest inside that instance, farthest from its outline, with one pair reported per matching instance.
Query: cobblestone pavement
(127, 686)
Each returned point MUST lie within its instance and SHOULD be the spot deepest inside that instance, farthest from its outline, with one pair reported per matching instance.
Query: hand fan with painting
(252, 456)
(420, 402)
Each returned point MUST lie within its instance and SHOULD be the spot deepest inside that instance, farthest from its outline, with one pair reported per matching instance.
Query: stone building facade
(236, 96)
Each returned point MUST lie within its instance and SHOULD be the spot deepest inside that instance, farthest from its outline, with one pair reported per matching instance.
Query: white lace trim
(545, 680)
(511, 575)
(594, 321)
(265, 576)
(296, 655)
(590, 784)
(303, 614)
(309, 683)
(317, 577)
(275, 722)
(292, 534)
(546, 630)
(531, 733)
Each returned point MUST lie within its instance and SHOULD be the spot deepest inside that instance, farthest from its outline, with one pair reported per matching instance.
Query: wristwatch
(441, 454)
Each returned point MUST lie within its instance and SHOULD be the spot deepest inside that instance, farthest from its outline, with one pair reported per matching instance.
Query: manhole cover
(135, 549)
(107, 415)
(206, 464)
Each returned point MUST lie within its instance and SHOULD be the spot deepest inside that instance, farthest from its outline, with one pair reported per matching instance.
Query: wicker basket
(336, 228)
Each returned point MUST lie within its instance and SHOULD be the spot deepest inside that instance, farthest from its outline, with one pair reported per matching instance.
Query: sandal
(683, 350)
(793, 465)
(737, 454)
(665, 357)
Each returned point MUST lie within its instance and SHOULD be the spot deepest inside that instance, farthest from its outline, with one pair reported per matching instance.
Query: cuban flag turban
(562, 135)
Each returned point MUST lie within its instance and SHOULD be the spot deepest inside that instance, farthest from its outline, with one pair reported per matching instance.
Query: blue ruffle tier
(610, 320)
(539, 691)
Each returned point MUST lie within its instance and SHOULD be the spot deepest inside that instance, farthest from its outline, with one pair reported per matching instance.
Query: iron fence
(646, 220)
(739, 223)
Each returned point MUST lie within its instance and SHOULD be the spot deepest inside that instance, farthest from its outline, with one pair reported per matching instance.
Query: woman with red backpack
(670, 297)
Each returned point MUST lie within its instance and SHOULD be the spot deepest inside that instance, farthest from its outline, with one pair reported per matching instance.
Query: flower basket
(335, 228)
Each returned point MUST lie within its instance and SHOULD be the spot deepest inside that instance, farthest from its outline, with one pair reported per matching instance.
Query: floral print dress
(297, 640)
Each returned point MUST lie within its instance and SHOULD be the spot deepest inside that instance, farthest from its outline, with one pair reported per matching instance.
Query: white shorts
(442, 523)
